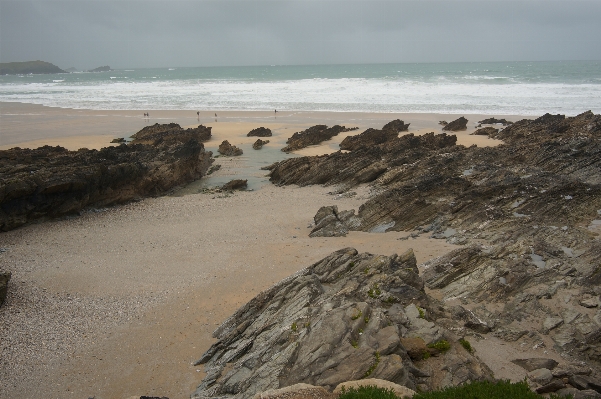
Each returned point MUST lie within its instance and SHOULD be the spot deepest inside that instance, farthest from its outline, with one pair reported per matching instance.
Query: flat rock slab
(296, 391)
(535, 363)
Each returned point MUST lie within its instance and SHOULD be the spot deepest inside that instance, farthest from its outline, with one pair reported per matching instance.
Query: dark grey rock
(456, 125)
(535, 363)
(553, 386)
(4, 279)
(338, 320)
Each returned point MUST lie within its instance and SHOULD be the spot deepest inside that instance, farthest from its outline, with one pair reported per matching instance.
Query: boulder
(331, 223)
(171, 132)
(456, 125)
(4, 279)
(225, 148)
(257, 145)
(486, 131)
(552, 386)
(119, 140)
(541, 376)
(368, 138)
(236, 184)
(396, 125)
(399, 390)
(260, 132)
(535, 363)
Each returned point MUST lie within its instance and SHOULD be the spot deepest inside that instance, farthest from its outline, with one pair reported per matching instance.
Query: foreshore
(121, 301)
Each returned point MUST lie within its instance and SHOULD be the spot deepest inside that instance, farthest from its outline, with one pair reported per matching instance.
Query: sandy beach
(120, 301)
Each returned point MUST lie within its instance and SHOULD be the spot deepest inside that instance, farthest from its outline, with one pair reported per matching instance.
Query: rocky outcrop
(4, 279)
(257, 145)
(118, 140)
(456, 125)
(363, 165)
(312, 136)
(493, 121)
(236, 184)
(260, 132)
(171, 133)
(486, 131)
(225, 148)
(330, 223)
(338, 320)
(104, 68)
(52, 181)
(372, 137)
(528, 211)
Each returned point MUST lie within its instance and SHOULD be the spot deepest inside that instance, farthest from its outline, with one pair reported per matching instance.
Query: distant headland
(27, 67)
(105, 68)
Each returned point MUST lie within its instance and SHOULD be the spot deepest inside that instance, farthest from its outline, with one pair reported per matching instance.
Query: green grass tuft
(356, 316)
(373, 366)
(367, 392)
(294, 327)
(466, 345)
(422, 314)
(485, 390)
(441, 346)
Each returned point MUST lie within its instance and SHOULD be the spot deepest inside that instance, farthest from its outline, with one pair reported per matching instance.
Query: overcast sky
(124, 33)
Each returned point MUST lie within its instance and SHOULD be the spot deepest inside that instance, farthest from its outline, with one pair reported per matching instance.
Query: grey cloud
(198, 33)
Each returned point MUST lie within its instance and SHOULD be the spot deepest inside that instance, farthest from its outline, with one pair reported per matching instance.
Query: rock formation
(528, 211)
(157, 134)
(374, 137)
(486, 131)
(52, 181)
(492, 121)
(338, 320)
(312, 136)
(236, 184)
(260, 132)
(257, 145)
(104, 68)
(4, 279)
(456, 125)
(225, 148)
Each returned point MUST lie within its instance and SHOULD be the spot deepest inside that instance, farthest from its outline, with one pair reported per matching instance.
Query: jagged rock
(330, 223)
(396, 125)
(583, 382)
(533, 201)
(338, 320)
(591, 302)
(541, 376)
(257, 145)
(399, 390)
(552, 322)
(296, 391)
(119, 140)
(236, 184)
(4, 279)
(553, 386)
(535, 363)
(456, 125)
(312, 136)
(415, 347)
(158, 134)
(470, 320)
(225, 148)
(443, 123)
(368, 138)
(492, 121)
(486, 131)
(52, 181)
(260, 132)
(213, 168)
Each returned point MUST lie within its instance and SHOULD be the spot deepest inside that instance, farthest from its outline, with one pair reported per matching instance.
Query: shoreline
(28, 125)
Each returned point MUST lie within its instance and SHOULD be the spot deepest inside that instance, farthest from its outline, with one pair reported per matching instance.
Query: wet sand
(29, 125)
(120, 301)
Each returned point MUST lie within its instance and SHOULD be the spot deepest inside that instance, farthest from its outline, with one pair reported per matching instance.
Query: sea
(490, 88)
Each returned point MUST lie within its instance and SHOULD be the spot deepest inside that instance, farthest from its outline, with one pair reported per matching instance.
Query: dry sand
(120, 301)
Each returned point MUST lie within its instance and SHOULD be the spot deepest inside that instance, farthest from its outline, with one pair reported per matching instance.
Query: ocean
(497, 88)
